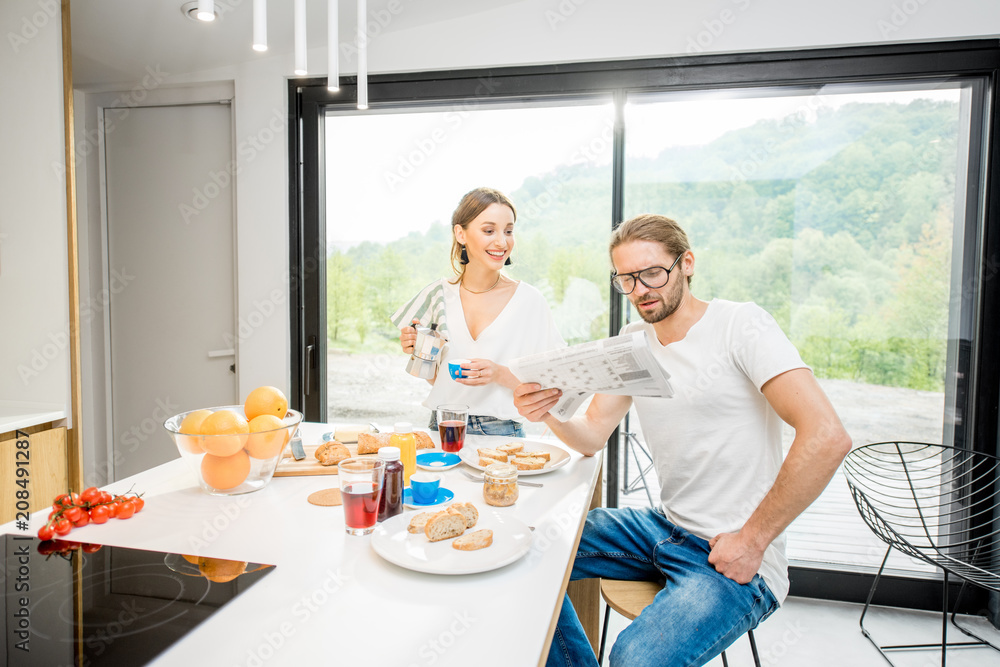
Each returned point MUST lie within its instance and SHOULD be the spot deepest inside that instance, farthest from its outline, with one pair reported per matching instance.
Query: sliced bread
(479, 539)
(469, 511)
(418, 521)
(492, 454)
(511, 448)
(445, 525)
(529, 462)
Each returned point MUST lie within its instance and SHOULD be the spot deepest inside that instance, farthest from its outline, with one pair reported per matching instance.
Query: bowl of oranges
(235, 449)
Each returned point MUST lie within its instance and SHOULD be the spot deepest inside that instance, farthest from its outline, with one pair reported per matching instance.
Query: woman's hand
(408, 337)
(480, 372)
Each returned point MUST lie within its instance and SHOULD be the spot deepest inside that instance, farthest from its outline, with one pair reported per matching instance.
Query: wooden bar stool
(629, 598)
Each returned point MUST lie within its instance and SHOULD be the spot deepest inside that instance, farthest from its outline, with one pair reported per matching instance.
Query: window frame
(308, 100)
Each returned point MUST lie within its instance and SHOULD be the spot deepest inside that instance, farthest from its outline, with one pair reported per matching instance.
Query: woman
(491, 319)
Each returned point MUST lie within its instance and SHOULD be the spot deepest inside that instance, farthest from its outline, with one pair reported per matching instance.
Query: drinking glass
(360, 488)
(451, 426)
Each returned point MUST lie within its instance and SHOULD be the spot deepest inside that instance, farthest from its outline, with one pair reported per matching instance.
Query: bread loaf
(331, 453)
(369, 443)
(479, 539)
(445, 525)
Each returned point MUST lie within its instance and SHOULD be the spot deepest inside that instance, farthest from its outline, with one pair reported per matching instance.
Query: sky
(392, 173)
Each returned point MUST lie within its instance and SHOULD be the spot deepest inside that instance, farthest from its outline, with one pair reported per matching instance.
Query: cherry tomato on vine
(126, 510)
(62, 526)
(91, 548)
(99, 514)
(90, 495)
(139, 503)
(83, 520)
(104, 497)
(73, 514)
(46, 533)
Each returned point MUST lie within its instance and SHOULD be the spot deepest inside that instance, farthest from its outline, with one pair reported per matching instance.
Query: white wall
(516, 33)
(34, 282)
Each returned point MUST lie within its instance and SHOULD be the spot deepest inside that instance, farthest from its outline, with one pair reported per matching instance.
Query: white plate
(560, 457)
(511, 540)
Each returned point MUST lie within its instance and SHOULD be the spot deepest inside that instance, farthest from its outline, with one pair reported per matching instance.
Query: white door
(169, 204)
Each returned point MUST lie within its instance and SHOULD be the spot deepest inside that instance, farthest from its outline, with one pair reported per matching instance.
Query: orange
(191, 559)
(225, 472)
(225, 433)
(191, 426)
(268, 436)
(266, 401)
(220, 570)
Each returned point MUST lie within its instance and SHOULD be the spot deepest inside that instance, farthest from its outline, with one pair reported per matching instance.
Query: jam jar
(500, 484)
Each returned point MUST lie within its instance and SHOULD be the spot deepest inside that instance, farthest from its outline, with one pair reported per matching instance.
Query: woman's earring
(464, 257)
(508, 262)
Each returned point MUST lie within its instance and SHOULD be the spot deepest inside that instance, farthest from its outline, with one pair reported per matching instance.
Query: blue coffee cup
(424, 487)
(455, 368)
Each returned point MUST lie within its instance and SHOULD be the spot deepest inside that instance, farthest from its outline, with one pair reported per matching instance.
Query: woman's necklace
(485, 290)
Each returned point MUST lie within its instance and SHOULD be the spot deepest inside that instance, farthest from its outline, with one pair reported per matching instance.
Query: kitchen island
(330, 597)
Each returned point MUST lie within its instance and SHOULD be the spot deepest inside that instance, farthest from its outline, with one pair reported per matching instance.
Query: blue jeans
(693, 619)
(482, 425)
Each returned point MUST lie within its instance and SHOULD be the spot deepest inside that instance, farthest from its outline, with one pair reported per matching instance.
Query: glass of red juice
(360, 488)
(451, 421)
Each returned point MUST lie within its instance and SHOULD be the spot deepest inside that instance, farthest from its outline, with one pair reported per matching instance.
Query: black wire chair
(935, 503)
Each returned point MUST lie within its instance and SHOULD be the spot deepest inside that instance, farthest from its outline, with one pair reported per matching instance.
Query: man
(726, 495)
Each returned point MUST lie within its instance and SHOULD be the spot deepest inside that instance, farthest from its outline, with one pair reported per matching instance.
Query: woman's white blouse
(525, 326)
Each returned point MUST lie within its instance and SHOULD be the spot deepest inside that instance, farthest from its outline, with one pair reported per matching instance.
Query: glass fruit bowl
(233, 459)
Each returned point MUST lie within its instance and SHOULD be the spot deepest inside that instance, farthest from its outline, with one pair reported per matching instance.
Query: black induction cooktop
(87, 605)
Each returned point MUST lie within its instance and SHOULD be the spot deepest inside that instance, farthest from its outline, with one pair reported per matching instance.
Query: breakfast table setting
(389, 596)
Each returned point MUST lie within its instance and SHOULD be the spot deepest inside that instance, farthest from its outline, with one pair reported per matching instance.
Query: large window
(834, 209)
(846, 191)
(388, 228)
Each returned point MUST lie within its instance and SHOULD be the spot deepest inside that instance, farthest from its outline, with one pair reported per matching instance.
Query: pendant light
(362, 54)
(332, 50)
(300, 37)
(206, 10)
(260, 25)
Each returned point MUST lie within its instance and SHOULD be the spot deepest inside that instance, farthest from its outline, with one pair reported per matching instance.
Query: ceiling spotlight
(191, 10)
(206, 10)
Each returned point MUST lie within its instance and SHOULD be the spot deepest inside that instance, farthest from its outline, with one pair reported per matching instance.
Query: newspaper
(622, 365)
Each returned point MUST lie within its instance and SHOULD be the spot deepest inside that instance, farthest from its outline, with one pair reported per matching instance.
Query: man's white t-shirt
(525, 326)
(716, 443)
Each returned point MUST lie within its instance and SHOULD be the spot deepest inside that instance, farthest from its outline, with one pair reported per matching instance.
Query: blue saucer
(438, 460)
(443, 496)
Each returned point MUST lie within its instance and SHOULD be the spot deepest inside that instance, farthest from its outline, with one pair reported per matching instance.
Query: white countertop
(18, 414)
(330, 596)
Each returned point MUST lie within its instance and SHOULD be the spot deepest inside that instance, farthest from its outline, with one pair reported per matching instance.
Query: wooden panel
(586, 593)
(47, 469)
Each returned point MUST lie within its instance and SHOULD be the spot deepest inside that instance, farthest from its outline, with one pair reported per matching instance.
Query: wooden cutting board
(289, 467)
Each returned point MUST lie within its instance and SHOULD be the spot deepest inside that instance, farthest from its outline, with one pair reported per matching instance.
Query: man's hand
(733, 556)
(533, 402)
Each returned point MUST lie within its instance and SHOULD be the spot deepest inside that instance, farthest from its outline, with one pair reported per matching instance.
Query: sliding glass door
(841, 211)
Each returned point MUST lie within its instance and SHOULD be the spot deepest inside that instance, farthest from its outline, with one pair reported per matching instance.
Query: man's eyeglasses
(654, 277)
